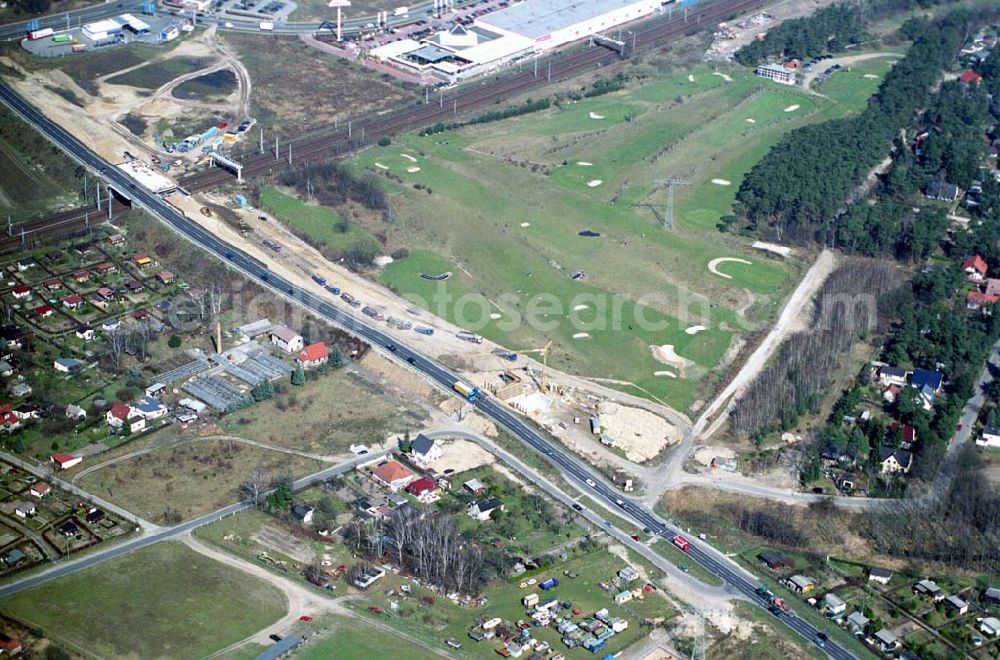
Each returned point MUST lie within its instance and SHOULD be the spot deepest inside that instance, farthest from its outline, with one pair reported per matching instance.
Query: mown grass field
(165, 601)
(319, 222)
(509, 199)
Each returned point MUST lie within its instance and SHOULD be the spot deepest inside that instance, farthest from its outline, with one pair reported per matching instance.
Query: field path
(847, 60)
(299, 599)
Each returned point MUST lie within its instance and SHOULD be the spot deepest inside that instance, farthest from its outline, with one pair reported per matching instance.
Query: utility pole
(455, 108)
(262, 139)
(348, 129)
(536, 66)
(97, 185)
(289, 153)
(108, 191)
(550, 71)
(10, 227)
(276, 147)
(362, 135)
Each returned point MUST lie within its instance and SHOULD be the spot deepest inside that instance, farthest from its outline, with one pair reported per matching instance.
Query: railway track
(330, 144)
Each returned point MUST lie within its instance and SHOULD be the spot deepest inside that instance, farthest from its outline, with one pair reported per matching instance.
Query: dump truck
(468, 391)
(424, 330)
(469, 336)
(505, 354)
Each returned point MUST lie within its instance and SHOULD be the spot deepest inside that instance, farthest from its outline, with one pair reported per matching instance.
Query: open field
(209, 87)
(297, 88)
(182, 482)
(319, 222)
(576, 167)
(156, 74)
(355, 641)
(325, 416)
(162, 601)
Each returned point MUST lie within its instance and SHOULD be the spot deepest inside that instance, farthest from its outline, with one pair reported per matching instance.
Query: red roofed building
(993, 286)
(52, 283)
(9, 645)
(140, 314)
(104, 293)
(313, 355)
(81, 276)
(909, 435)
(65, 461)
(72, 302)
(118, 413)
(8, 420)
(975, 267)
(165, 276)
(105, 267)
(424, 489)
(393, 474)
(20, 292)
(979, 300)
(44, 311)
(40, 489)
(970, 77)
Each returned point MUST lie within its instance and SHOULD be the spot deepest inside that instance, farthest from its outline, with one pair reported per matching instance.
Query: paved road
(322, 305)
(100, 555)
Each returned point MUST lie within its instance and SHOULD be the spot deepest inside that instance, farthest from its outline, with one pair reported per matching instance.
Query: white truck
(401, 11)
(266, 26)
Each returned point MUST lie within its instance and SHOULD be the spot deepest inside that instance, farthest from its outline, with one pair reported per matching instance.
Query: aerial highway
(322, 304)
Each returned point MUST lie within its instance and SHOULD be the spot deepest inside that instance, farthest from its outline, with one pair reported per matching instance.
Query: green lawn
(165, 601)
(357, 641)
(318, 222)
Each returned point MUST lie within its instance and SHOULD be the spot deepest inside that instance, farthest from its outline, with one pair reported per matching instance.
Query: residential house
(286, 339)
(424, 450)
(25, 264)
(474, 486)
(984, 302)
(880, 575)
(140, 314)
(6, 370)
(150, 408)
(623, 597)
(81, 276)
(106, 268)
(483, 509)
(25, 509)
(9, 645)
(94, 515)
(156, 390)
(368, 577)
(957, 603)
(135, 286)
(116, 239)
(39, 489)
(887, 640)
(68, 365)
(993, 286)
(801, 584)
(52, 284)
(44, 311)
(26, 411)
(942, 190)
(105, 294)
(64, 461)
(975, 268)
(303, 513)
(927, 397)
(68, 529)
(891, 393)
(75, 412)
(990, 625)
(925, 378)
(970, 77)
(165, 277)
(110, 325)
(21, 292)
(74, 301)
(141, 259)
(86, 333)
(628, 574)
(8, 420)
(14, 336)
(857, 621)
(929, 589)
(20, 390)
(989, 437)
(313, 355)
(393, 474)
(909, 436)
(424, 489)
(992, 595)
(13, 557)
(834, 605)
(118, 413)
(895, 460)
(775, 560)
(889, 375)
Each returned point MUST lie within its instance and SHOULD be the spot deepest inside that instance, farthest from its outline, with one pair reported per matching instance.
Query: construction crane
(544, 352)
(667, 218)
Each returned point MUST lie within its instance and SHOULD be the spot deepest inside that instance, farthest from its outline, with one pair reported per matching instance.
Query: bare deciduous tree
(252, 490)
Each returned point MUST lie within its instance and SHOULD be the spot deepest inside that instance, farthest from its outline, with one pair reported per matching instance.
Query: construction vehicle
(469, 336)
(424, 330)
(505, 354)
(544, 351)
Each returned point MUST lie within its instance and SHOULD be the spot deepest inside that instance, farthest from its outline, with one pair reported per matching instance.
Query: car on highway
(411, 360)
(620, 503)
(591, 483)
(274, 638)
(821, 639)
(392, 348)
(683, 568)
(646, 530)
(577, 507)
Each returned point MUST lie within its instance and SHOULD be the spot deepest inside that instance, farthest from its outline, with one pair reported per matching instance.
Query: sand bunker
(579, 307)
(690, 77)
(435, 278)
(783, 250)
(695, 329)
(413, 170)
(724, 76)
(583, 163)
(722, 182)
(871, 76)
(792, 108)
(593, 183)
(581, 335)
(594, 115)
(642, 435)
(409, 157)
(665, 374)
(713, 265)
(496, 316)
(381, 166)
(525, 224)
(665, 354)
(750, 120)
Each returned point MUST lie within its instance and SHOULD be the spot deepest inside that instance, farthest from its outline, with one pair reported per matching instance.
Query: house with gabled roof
(424, 450)
(483, 509)
(895, 460)
(393, 474)
(313, 355)
(975, 268)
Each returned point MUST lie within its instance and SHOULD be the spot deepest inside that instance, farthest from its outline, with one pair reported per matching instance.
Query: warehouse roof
(537, 18)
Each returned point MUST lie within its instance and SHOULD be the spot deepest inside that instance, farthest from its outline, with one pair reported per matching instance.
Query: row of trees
(851, 304)
(797, 190)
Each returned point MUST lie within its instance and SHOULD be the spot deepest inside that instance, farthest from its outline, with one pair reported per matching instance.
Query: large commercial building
(501, 37)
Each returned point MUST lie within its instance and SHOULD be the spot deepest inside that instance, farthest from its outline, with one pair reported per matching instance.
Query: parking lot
(273, 10)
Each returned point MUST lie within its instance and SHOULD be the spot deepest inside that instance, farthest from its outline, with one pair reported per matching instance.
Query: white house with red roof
(44, 311)
(975, 268)
(424, 489)
(21, 292)
(64, 461)
(74, 301)
(121, 414)
(393, 474)
(40, 489)
(313, 355)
